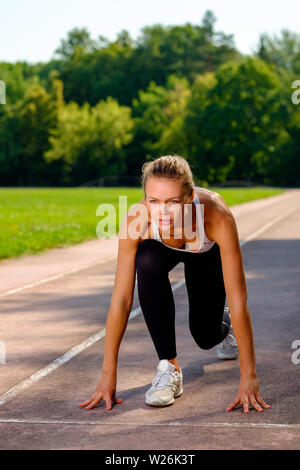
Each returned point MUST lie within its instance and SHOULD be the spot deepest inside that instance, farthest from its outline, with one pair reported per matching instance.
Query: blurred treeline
(103, 107)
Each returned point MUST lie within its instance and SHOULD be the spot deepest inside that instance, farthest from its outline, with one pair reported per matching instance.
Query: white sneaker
(228, 348)
(166, 386)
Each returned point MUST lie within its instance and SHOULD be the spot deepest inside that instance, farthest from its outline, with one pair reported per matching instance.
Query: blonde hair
(171, 167)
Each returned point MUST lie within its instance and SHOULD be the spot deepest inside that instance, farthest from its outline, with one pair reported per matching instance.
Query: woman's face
(165, 199)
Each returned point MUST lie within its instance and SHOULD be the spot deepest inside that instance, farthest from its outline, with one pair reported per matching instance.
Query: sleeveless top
(205, 243)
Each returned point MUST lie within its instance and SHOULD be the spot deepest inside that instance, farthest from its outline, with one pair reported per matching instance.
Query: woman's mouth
(164, 221)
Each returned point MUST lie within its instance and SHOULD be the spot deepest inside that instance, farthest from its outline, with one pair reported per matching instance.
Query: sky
(31, 30)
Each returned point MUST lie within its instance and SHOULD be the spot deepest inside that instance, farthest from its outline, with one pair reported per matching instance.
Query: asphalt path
(53, 313)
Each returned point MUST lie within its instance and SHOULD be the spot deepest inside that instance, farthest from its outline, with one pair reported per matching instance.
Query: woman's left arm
(225, 233)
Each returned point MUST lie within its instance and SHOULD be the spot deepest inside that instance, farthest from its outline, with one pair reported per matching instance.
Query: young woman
(173, 227)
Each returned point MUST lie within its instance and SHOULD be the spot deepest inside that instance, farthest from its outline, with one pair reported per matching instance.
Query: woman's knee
(205, 334)
(147, 257)
(204, 342)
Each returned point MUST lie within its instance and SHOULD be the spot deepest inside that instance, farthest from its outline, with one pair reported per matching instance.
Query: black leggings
(205, 288)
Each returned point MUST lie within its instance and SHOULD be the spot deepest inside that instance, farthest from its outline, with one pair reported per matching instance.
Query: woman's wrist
(109, 370)
(248, 366)
(248, 374)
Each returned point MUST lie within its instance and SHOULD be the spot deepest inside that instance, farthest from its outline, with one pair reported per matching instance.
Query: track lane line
(56, 276)
(175, 423)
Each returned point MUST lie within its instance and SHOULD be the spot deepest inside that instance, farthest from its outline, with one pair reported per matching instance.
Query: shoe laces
(230, 340)
(163, 379)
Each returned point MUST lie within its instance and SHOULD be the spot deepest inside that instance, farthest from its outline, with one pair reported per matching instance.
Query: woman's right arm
(117, 319)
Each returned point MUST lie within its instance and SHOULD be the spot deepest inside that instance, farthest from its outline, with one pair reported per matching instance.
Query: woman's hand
(105, 390)
(248, 394)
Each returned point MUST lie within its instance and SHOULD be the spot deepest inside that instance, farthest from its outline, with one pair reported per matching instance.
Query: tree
(158, 115)
(78, 42)
(282, 51)
(24, 135)
(208, 23)
(17, 77)
(89, 140)
(235, 126)
(92, 70)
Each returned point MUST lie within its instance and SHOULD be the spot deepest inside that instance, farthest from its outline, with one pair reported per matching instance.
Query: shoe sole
(232, 356)
(167, 403)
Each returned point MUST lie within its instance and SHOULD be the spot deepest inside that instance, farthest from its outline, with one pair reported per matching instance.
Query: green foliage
(94, 69)
(17, 77)
(24, 134)
(282, 51)
(89, 140)
(77, 43)
(236, 121)
(159, 114)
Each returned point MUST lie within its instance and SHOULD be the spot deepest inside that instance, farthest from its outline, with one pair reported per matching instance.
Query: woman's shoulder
(213, 201)
(215, 208)
(209, 199)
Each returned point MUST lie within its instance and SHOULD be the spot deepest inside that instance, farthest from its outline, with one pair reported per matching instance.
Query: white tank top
(205, 243)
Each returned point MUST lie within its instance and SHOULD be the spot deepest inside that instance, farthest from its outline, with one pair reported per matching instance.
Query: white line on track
(268, 225)
(56, 276)
(175, 423)
(97, 336)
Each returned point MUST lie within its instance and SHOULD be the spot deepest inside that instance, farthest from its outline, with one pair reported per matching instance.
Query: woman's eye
(172, 202)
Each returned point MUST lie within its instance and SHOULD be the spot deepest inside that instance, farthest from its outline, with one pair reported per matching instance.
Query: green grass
(239, 195)
(34, 219)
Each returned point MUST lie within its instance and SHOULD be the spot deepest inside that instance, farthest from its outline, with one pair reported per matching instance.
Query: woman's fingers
(116, 400)
(93, 403)
(95, 399)
(234, 404)
(261, 401)
(108, 404)
(256, 401)
(246, 406)
(255, 404)
(238, 401)
(85, 402)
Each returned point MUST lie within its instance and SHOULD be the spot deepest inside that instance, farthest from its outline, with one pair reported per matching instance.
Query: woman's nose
(164, 209)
